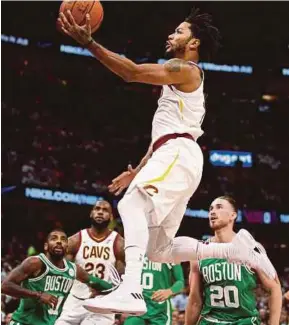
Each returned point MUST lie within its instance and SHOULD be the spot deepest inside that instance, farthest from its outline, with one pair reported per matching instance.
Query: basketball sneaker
(252, 253)
(123, 300)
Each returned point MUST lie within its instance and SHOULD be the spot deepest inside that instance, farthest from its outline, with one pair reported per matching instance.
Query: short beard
(100, 226)
(56, 257)
(178, 50)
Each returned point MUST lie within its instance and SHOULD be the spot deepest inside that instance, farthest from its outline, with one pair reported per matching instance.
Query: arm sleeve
(178, 276)
(98, 284)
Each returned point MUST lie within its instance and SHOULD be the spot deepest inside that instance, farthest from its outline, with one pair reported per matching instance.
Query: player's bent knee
(155, 255)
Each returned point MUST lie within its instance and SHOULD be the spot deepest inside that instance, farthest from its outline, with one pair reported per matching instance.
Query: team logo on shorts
(71, 272)
(151, 190)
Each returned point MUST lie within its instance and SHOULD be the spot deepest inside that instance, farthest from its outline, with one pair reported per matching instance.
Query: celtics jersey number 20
(228, 290)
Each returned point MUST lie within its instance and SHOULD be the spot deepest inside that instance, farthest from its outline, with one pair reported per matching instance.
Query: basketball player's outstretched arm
(29, 268)
(173, 72)
(195, 303)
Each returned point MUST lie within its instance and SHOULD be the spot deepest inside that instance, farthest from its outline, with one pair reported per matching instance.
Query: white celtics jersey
(179, 112)
(94, 256)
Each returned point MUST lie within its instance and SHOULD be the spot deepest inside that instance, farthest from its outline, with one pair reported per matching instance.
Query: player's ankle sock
(183, 249)
(132, 211)
(134, 263)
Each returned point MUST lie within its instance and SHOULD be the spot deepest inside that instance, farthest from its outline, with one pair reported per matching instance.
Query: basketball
(79, 9)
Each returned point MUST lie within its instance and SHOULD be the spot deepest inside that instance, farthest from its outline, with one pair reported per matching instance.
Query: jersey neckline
(95, 239)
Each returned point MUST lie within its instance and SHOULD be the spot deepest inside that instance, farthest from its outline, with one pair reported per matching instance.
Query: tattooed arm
(173, 72)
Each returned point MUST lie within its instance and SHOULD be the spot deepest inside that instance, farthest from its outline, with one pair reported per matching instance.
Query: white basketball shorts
(168, 180)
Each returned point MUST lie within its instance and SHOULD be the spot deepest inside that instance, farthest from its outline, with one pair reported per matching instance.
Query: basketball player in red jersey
(154, 204)
(96, 250)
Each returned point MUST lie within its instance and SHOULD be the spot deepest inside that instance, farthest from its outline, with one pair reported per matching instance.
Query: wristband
(98, 284)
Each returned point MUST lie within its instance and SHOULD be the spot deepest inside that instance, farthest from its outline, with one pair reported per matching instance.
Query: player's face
(56, 244)
(178, 42)
(101, 214)
(221, 214)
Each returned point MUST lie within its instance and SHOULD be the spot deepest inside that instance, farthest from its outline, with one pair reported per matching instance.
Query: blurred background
(69, 125)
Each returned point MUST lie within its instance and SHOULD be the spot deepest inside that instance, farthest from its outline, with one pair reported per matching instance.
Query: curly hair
(202, 28)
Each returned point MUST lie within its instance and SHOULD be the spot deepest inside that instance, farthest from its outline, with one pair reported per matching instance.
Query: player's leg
(164, 317)
(134, 209)
(138, 208)
(135, 320)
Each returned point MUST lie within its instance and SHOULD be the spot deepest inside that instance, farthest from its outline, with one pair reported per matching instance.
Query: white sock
(132, 211)
(183, 249)
(214, 250)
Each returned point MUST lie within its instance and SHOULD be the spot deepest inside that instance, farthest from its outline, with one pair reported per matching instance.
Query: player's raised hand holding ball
(79, 19)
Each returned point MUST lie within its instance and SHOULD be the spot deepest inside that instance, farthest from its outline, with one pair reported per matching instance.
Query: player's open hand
(82, 34)
(162, 295)
(122, 181)
(48, 299)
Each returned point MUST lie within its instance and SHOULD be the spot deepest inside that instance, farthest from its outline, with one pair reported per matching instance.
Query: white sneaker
(252, 253)
(121, 301)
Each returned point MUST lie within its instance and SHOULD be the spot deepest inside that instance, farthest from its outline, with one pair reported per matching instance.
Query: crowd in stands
(79, 130)
(15, 251)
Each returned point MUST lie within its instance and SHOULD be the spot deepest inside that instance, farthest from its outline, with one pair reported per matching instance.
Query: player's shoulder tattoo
(175, 65)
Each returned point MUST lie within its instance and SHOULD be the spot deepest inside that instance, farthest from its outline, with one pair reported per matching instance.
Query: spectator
(8, 319)
(181, 318)
(179, 302)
